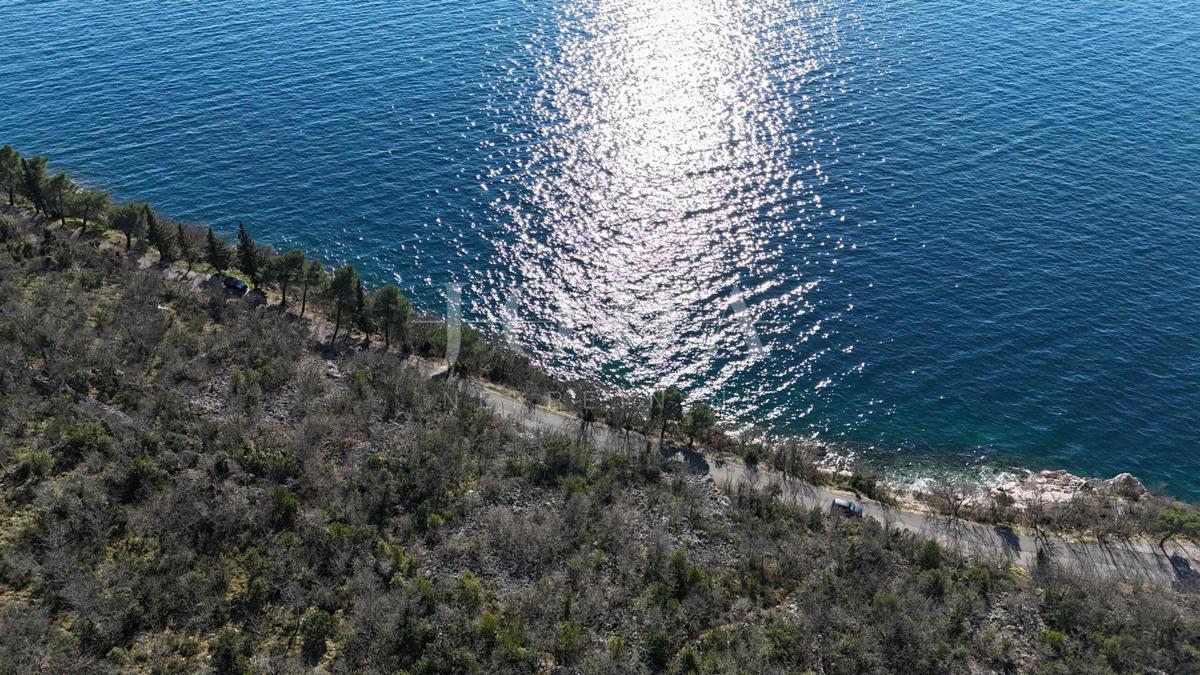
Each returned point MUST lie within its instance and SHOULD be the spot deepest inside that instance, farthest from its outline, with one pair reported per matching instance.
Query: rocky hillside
(187, 483)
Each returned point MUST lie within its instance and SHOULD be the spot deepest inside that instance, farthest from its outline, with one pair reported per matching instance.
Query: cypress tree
(160, 237)
(247, 255)
(217, 253)
(189, 247)
(362, 313)
(11, 174)
(35, 177)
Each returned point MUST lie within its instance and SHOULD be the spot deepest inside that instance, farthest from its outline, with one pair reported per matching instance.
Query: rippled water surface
(941, 232)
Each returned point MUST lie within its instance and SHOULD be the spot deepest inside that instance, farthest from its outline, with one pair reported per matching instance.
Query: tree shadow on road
(1012, 542)
(694, 460)
(1187, 578)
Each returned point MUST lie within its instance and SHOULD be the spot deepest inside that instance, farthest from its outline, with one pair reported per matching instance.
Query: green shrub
(685, 576)
(866, 483)
(119, 656)
(8, 228)
(568, 642)
(81, 438)
(574, 484)
(929, 555)
(141, 476)
(33, 464)
(510, 649)
(231, 652)
(433, 521)
(658, 650)
(488, 626)
(316, 628)
(689, 660)
(284, 506)
(560, 458)
(404, 565)
(816, 520)
(265, 462)
(1054, 639)
(885, 602)
(469, 591)
(360, 383)
(750, 456)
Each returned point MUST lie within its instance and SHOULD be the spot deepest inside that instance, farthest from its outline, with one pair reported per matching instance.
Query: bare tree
(1035, 510)
(950, 495)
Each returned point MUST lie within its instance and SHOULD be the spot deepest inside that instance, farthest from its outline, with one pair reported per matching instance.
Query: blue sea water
(942, 234)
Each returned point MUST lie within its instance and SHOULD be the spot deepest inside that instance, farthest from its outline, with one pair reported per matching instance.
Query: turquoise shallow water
(957, 234)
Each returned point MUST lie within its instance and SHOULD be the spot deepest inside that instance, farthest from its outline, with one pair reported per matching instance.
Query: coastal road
(1133, 561)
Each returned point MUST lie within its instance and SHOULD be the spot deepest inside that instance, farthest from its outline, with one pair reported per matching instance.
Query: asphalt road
(1133, 561)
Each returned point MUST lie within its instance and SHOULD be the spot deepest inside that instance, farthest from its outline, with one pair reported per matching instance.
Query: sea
(937, 235)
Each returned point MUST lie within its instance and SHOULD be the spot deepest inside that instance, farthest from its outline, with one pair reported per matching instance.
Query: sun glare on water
(659, 165)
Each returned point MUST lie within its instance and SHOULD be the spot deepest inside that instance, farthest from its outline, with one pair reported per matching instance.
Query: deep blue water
(959, 234)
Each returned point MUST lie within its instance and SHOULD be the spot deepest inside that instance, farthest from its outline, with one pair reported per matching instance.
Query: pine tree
(699, 422)
(130, 220)
(60, 193)
(666, 406)
(343, 291)
(312, 276)
(393, 312)
(90, 203)
(286, 268)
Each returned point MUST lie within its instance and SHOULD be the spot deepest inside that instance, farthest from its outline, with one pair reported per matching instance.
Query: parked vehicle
(235, 285)
(845, 507)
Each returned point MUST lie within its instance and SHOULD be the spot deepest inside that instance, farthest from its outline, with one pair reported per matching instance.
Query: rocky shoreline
(1060, 486)
(1020, 488)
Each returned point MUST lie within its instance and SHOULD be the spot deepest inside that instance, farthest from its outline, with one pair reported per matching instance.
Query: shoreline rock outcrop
(1060, 486)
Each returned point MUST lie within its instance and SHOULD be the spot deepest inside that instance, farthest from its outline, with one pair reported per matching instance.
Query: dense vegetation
(189, 481)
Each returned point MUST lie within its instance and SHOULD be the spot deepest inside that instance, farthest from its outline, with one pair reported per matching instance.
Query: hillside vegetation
(189, 482)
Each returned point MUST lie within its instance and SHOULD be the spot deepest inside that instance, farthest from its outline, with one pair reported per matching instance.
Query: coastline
(1136, 558)
(1026, 487)
(472, 353)
(840, 459)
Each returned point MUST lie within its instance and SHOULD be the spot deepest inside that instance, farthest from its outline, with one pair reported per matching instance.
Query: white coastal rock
(1060, 486)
